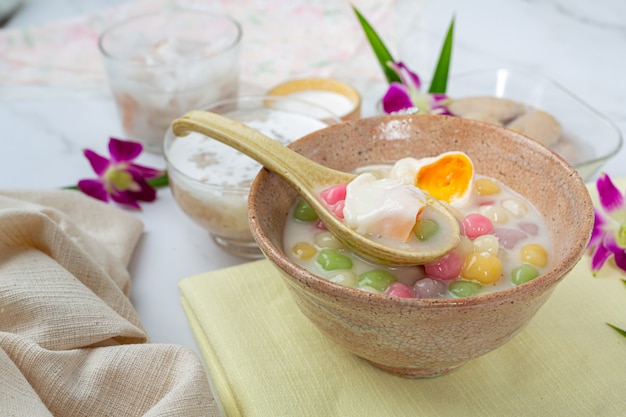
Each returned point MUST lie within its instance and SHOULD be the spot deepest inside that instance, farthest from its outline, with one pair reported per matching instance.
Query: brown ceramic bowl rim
(539, 284)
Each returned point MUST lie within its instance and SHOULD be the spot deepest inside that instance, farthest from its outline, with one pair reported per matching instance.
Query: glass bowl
(588, 138)
(210, 181)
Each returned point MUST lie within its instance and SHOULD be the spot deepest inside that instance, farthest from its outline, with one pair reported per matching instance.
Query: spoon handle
(300, 172)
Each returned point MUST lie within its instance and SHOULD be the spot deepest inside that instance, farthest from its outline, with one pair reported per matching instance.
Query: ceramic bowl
(427, 337)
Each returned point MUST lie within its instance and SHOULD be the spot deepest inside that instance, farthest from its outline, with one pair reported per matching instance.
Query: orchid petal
(599, 257)
(597, 235)
(140, 191)
(620, 259)
(408, 77)
(130, 198)
(442, 111)
(125, 199)
(145, 192)
(439, 98)
(396, 98)
(610, 197)
(619, 253)
(94, 188)
(122, 151)
(144, 171)
(98, 162)
(438, 104)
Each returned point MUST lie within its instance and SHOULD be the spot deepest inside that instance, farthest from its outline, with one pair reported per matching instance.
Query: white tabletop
(581, 44)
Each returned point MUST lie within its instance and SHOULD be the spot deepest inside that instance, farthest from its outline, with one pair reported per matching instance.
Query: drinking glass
(163, 64)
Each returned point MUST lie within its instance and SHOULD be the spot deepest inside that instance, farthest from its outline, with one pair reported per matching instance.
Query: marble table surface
(580, 44)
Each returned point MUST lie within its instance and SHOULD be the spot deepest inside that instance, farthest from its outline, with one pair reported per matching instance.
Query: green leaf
(617, 329)
(439, 82)
(158, 182)
(377, 44)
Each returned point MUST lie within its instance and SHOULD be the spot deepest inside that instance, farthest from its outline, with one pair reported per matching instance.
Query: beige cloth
(71, 343)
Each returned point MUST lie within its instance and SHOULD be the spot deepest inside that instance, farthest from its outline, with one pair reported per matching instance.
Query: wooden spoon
(308, 178)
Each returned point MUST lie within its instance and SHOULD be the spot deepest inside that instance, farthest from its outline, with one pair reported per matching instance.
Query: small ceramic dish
(337, 96)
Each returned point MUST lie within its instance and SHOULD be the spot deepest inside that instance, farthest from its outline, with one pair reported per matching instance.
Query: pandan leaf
(617, 329)
(159, 182)
(381, 51)
(439, 82)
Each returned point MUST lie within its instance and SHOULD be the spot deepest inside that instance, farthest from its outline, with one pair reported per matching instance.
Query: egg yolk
(448, 178)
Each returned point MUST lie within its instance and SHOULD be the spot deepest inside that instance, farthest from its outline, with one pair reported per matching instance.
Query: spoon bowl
(308, 177)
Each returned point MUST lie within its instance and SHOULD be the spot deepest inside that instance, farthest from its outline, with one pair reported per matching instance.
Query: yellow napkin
(71, 343)
(267, 359)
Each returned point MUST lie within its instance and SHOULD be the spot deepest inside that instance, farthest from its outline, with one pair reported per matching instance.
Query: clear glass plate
(588, 140)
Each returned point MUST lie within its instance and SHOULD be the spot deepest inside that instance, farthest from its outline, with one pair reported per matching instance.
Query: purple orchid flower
(119, 179)
(406, 96)
(609, 230)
